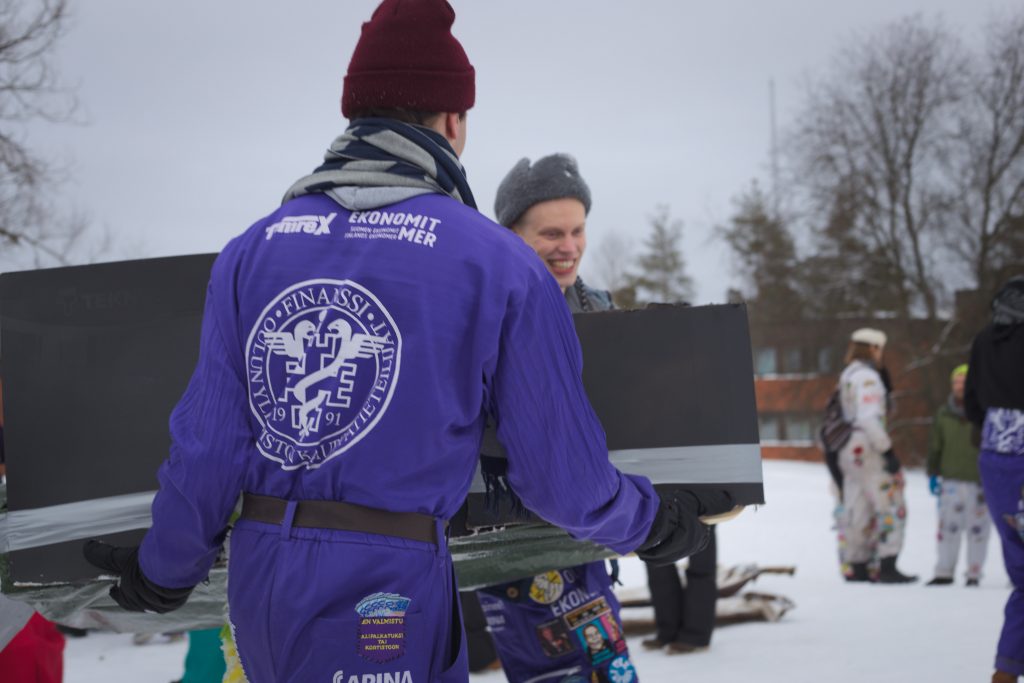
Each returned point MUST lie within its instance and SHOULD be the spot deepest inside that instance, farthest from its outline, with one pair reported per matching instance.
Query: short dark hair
(415, 117)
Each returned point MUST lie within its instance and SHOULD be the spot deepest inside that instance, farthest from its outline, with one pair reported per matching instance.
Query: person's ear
(454, 125)
(451, 125)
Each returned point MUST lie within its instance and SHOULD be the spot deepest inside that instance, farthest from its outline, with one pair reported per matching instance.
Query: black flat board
(94, 358)
(670, 375)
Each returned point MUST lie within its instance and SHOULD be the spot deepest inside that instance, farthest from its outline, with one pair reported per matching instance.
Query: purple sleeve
(201, 479)
(557, 453)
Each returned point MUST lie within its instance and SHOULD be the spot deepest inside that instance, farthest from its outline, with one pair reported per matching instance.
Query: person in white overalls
(874, 510)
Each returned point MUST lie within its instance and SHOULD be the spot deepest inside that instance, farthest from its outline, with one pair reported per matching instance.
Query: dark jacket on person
(996, 366)
(951, 453)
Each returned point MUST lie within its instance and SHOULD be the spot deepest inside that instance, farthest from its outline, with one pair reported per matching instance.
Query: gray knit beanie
(552, 177)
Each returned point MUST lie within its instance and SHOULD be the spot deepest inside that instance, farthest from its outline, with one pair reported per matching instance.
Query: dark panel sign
(94, 358)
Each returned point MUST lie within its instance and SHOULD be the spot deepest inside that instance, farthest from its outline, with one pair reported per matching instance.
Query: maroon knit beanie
(408, 58)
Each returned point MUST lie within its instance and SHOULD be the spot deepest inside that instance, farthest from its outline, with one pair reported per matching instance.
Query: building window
(768, 425)
(792, 361)
(826, 360)
(794, 429)
(798, 428)
(764, 361)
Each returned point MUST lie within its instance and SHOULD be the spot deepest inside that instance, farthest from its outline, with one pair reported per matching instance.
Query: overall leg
(315, 604)
(1002, 477)
(952, 516)
(979, 528)
(857, 517)
(890, 510)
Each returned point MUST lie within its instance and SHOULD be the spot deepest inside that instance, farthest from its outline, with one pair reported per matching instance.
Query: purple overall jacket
(354, 356)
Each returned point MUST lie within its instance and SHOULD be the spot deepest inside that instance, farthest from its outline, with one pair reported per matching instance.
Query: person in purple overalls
(994, 403)
(539, 634)
(354, 343)
(562, 624)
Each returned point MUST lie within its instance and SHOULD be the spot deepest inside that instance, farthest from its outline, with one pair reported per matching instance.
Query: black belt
(333, 514)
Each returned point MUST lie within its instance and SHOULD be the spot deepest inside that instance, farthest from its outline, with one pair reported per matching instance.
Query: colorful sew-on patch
(588, 612)
(611, 627)
(621, 670)
(594, 640)
(547, 587)
(554, 639)
(382, 626)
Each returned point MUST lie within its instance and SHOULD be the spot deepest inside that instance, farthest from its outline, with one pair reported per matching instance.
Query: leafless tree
(874, 129)
(986, 164)
(33, 224)
(611, 260)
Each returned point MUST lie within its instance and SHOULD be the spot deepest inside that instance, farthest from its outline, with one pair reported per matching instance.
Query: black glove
(892, 463)
(134, 592)
(676, 531)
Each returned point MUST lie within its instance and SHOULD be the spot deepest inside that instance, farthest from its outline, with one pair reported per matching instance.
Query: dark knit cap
(408, 58)
(552, 177)
(1008, 304)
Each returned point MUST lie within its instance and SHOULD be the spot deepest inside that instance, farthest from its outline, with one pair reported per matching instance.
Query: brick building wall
(797, 365)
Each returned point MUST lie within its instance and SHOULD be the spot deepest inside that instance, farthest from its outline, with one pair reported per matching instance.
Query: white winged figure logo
(328, 354)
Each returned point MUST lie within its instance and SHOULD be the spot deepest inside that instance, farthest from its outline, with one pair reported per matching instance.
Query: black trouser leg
(700, 595)
(667, 598)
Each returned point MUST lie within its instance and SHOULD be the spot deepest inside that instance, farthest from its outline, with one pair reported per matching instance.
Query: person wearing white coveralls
(874, 507)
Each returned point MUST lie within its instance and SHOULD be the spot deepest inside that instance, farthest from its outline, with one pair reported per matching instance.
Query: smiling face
(556, 229)
(593, 637)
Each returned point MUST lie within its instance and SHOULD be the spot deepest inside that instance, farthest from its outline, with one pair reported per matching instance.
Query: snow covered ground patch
(838, 632)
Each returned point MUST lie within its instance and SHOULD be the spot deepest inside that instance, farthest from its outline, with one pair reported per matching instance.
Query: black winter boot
(859, 572)
(889, 574)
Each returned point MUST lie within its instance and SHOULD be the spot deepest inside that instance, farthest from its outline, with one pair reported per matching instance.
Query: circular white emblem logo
(322, 362)
(547, 587)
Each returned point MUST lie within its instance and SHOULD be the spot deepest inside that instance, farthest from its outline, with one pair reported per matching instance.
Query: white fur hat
(868, 335)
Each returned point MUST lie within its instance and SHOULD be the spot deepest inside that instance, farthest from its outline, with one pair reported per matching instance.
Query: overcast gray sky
(199, 114)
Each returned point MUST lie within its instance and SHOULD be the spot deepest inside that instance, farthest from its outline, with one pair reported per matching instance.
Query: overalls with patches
(355, 356)
(541, 625)
(873, 504)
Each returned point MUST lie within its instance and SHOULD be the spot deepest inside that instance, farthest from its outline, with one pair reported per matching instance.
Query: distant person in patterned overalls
(953, 476)
(873, 502)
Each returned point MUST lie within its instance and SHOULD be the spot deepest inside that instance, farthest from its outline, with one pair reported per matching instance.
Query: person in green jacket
(953, 477)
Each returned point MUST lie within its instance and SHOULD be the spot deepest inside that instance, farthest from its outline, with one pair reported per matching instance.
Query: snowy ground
(838, 632)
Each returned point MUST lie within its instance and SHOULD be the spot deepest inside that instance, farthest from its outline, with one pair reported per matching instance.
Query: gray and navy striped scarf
(401, 158)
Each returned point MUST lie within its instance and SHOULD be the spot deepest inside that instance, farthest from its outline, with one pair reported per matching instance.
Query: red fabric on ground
(36, 655)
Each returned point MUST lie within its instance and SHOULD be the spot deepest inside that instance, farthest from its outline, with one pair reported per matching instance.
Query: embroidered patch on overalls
(611, 627)
(382, 626)
(322, 361)
(547, 587)
(595, 642)
(621, 670)
(554, 639)
(588, 612)
(1016, 521)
